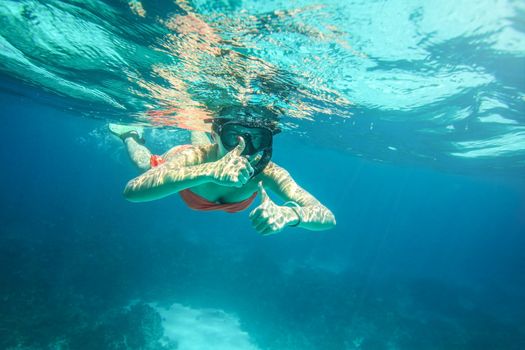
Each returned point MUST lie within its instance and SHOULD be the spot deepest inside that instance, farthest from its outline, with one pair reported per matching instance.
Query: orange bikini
(196, 202)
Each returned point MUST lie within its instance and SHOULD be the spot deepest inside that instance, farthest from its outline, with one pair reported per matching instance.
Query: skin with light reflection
(222, 176)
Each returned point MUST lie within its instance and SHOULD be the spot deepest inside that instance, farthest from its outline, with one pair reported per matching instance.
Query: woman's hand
(269, 218)
(232, 170)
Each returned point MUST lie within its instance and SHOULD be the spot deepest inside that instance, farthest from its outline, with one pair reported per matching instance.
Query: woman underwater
(226, 175)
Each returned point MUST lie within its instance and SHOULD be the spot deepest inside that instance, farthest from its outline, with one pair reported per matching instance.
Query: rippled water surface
(402, 81)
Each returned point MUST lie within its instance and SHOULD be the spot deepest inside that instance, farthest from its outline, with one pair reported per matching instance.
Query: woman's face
(222, 150)
(256, 138)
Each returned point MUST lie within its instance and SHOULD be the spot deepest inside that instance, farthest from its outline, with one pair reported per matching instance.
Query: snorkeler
(225, 175)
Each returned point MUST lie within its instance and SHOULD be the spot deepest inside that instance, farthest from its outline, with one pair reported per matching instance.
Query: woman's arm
(186, 170)
(190, 168)
(312, 214)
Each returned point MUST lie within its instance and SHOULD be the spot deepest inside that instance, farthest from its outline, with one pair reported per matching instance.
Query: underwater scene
(262, 175)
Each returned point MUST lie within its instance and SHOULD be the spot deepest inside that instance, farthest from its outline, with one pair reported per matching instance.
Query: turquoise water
(406, 118)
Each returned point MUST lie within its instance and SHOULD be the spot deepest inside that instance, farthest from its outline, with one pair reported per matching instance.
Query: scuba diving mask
(258, 138)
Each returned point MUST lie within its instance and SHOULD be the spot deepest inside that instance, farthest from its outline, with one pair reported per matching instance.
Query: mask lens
(259, 138)
(230, 138)
(257, 141)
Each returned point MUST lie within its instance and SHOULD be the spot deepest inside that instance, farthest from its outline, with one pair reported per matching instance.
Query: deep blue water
(421, 259)
(428, 188)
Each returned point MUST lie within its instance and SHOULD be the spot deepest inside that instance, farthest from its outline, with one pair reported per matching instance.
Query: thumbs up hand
(233, 169)
(269, 218)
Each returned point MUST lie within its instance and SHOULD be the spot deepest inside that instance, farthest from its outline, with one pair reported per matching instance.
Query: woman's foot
(125, 131)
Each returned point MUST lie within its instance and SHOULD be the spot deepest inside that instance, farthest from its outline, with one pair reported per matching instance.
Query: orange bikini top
(196, 202)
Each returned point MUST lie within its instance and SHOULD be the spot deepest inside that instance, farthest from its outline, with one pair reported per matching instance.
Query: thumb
(237, 151)
(264, 195)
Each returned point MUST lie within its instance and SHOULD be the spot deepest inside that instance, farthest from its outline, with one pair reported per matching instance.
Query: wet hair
(246, 116)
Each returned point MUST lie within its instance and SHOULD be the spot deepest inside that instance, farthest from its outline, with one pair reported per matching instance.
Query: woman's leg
(131, 135)
(198, 138)
(140, 155)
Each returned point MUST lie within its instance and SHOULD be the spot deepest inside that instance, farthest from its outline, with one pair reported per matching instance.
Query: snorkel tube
(263, 162)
